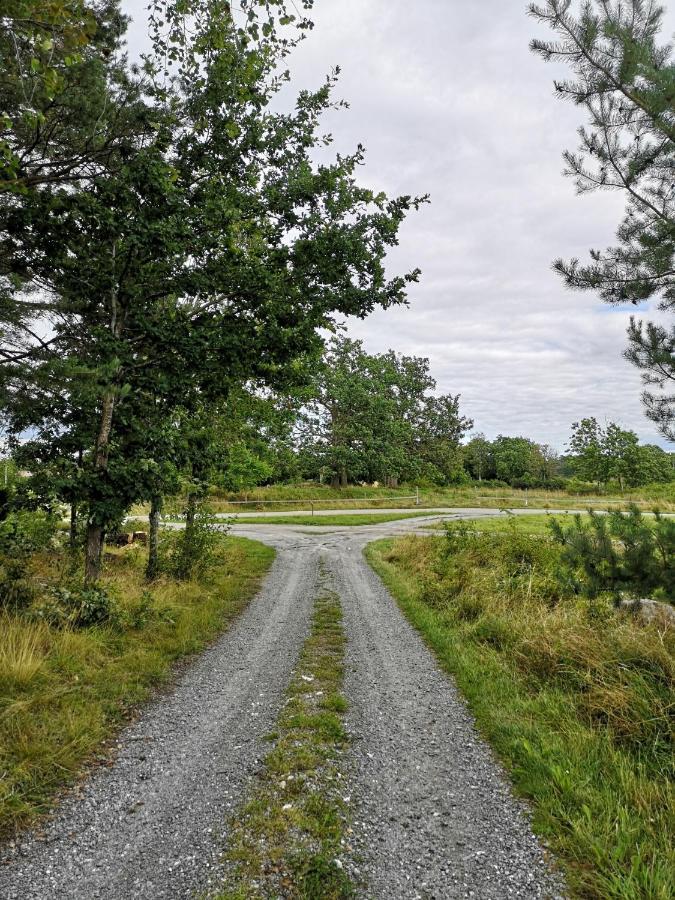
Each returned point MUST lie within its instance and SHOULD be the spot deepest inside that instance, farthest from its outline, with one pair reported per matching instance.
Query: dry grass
(63, 692)
(578, 705)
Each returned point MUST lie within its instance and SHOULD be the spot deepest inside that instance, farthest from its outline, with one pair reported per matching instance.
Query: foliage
(77, 607)
(625, 81)
(523, 463)
(212, 253)
(191, 551)
(578, 708)
(612, 453)
(619, 552)
(22, 533)
(374, 418)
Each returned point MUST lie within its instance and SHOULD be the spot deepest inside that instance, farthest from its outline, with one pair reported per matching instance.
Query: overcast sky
(448, 100)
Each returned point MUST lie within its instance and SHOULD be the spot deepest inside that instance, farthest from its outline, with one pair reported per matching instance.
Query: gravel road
(434, 816)
(150, 826)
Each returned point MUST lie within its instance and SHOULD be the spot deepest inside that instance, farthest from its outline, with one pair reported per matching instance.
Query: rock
(650, 611)
(140, 537)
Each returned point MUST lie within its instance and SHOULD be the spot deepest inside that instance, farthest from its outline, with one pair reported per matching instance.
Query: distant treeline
(366, 418)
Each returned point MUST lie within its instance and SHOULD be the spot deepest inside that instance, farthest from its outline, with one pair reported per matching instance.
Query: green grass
(529, 524)
(473, 494)
(63, 693)
(341, 519)
(287, 838)
(298, 496)
(576, 708)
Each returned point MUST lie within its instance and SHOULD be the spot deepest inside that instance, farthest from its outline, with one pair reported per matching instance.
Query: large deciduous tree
(624, 78)
(374, 418)
(212, 253)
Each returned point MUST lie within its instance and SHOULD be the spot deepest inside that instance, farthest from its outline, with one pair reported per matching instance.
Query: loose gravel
(150, 826)
(433, 814)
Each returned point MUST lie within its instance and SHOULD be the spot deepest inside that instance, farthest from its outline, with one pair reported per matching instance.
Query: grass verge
(577, 709)
(471, 495)
(538, 525)
(64, 692)
(288, 839)
(341, 519)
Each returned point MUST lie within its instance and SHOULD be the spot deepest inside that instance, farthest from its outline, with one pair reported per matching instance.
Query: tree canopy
(211, 253)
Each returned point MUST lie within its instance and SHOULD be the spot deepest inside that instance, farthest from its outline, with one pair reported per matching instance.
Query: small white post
(417, 496)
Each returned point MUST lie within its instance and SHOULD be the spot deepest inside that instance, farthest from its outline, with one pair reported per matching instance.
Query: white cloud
(448, 99)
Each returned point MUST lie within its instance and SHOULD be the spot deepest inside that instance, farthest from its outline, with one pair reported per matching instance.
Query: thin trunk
(73, 527)
(74, 510)
(343, 478)
(152, 569)
(186, 563)
(96, 532)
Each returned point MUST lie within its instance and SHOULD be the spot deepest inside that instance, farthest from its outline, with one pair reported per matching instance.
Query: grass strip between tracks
(288, 839)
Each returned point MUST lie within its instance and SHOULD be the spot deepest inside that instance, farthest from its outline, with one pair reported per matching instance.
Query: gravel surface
(434, 816)
(151, 826)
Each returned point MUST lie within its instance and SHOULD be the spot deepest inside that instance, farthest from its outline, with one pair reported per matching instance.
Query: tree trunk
(73, 527)
(335, 481)
(96, 532)
(93, 554)
(344, 481)
(152, 569)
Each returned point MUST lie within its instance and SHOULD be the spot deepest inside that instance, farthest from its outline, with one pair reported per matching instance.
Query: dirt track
(433, 812)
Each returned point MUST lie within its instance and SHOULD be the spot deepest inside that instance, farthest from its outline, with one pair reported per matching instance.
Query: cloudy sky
(448, 99)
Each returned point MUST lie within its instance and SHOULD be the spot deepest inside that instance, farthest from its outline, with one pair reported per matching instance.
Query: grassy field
(578, 708)
(533, 525)
(64, 692)
(341, 519)
(298, 496)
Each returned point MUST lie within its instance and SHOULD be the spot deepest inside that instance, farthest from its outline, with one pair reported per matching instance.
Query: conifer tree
(624, 79)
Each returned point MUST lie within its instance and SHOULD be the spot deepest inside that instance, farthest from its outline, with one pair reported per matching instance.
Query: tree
(625, 81)
(601, 455)
(586, 445)
(655, 465)
(214, 253)
(517, 460)
(479, 459)
(619, 552)
(373, 418)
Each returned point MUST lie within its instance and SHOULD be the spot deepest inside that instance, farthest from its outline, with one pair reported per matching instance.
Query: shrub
(619, 552)
(192, 551)
(78, 608)
(22, 533)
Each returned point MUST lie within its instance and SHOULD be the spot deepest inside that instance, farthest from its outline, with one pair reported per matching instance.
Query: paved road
(434, 817)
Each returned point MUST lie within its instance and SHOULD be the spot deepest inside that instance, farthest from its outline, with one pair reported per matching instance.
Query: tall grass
(579, 706)
(63, 692)
(297, 496)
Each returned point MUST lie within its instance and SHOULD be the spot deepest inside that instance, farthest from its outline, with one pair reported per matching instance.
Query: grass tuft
(63, 692)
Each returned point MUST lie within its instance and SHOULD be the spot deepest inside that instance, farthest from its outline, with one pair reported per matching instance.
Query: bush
(619, 552)
(78, 608)
(22, 533)
(191, 552)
